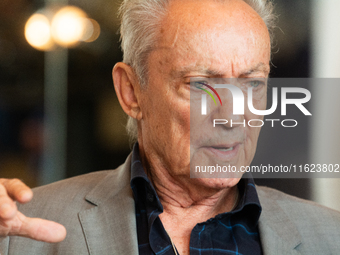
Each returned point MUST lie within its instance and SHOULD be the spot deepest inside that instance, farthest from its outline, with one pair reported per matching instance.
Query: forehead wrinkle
(195, 46)
(175, 37)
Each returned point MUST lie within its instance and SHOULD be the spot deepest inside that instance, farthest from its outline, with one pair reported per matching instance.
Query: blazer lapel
(278, 233)
(110, 225)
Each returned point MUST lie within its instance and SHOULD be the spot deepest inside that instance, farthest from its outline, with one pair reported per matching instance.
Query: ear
(127, 89)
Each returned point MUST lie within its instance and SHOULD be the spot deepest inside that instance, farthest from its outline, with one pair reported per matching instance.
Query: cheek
(250, 145)
(254, 124)
(180, 121)
(253, 127)
(259, 102)
(168, 118)
(155, 117)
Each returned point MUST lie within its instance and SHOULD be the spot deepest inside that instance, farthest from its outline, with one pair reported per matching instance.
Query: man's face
(204, 39)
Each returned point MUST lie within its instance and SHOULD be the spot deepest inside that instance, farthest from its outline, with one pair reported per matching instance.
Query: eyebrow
(260, 67)
(200, 70)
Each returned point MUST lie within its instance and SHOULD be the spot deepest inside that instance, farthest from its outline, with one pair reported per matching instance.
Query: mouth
(223, 152)
(224, 149)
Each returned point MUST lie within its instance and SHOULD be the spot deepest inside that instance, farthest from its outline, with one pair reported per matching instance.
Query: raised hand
(14, 223)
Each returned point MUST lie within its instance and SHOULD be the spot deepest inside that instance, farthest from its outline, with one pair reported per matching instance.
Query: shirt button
(150, 197)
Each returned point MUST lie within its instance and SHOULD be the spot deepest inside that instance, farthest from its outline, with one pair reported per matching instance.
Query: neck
(183, 209)
(181, 194)
(187, 200)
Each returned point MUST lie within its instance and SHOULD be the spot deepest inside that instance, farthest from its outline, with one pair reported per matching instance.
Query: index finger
(17, 190)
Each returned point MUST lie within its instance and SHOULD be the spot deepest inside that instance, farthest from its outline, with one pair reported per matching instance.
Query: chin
(217, 183)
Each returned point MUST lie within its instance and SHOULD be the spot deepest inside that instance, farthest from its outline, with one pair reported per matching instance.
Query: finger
(40, 230)
(8, 208)
(17, 190)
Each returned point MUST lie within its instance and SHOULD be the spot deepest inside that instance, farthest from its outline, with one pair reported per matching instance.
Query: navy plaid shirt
(233, 232)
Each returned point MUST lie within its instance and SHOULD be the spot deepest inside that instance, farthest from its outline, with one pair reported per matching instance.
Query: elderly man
(150, 205)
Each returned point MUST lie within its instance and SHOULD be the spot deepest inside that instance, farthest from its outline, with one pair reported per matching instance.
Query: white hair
(140, 21)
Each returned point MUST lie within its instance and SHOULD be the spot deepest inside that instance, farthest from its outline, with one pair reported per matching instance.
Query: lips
(223, 152)
(223, 148)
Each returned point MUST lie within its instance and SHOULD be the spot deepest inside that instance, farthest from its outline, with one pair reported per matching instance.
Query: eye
(200, 84)
(255, 84)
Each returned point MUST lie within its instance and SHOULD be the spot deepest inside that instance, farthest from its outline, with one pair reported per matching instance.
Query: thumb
(40, 229)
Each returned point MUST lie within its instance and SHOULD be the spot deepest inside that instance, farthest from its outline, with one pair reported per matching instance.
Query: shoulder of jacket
(291, 203)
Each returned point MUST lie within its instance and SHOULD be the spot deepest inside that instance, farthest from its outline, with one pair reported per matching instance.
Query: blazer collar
(278, 233)
(109, 225)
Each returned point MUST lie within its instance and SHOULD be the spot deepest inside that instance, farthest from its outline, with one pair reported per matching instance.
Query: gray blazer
(98, 212)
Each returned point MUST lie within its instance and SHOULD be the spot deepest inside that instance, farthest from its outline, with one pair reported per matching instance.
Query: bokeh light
(68, 26)
(65, 27)
(92, 31)
(38, 32)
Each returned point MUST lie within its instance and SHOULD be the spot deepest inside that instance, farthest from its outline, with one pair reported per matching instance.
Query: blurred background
(66, 95)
